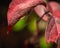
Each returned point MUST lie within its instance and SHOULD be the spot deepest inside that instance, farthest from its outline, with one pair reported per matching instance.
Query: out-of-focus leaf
(43, 43)
(42, 25)
(20, 24)
(54, 8)
(32, 25)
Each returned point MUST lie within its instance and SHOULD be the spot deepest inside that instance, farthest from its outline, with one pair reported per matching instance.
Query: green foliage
(20, 24)
(43, 43)
(32, 24)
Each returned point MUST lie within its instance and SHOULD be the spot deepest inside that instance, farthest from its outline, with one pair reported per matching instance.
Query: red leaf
(54, 8)
(57, 22)
(51, 32)
(18, 8)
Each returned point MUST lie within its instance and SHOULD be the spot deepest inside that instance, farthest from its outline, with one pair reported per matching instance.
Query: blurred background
(24, 31)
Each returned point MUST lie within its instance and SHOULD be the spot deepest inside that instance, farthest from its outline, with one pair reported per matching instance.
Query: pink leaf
(57, 22)
(54, 8)
(40, 10)
(18, 8)
(51, 32)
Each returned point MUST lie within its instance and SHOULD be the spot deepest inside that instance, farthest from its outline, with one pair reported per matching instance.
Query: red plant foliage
(18, 8)
(54, 9)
